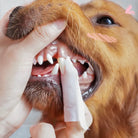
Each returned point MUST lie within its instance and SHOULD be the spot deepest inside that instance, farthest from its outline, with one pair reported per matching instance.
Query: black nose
(16, 27)
(15, 11)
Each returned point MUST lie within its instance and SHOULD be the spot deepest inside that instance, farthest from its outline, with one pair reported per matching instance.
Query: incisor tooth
(61, 64)
(34, 61)
(39, 76)
(55, 69)
(84, 75)
(49, 58)
(40, 60)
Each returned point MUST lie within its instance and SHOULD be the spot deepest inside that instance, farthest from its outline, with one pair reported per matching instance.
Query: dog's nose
(18, 27)
(12, 24)
(15, 11)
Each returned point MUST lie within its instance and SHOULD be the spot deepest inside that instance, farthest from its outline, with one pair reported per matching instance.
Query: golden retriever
(102, 41)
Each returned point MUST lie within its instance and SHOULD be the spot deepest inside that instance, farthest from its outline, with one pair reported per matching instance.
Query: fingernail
(60, 24)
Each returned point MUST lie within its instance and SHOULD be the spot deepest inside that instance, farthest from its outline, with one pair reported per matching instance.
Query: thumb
(42, 36)
(42, 130)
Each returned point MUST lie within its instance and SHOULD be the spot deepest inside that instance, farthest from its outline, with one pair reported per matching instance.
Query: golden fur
(113, 105)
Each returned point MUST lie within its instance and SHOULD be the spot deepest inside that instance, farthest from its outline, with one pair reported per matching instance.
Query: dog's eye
(105, 20)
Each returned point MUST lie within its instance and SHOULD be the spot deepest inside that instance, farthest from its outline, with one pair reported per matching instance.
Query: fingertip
(42, 36)
(60, 24)
(42, 130)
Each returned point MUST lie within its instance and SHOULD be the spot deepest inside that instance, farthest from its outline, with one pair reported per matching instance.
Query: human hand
(16, 59)
(76, 114)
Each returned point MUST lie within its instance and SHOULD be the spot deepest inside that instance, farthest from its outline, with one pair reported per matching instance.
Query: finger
(18, 115)
(42, 36)
(42, 130)
(74, 107)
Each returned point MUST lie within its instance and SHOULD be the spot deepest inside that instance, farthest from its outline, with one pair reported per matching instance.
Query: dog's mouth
(47, 65)
(45, 80)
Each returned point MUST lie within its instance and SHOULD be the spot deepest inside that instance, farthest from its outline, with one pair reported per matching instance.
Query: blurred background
(35, 115)
(8, 4)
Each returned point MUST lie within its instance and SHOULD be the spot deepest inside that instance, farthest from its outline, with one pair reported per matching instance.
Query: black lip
(95, 84)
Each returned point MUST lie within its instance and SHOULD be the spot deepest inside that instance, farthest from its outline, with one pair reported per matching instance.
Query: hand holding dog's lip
(15, 75)
(75, 110)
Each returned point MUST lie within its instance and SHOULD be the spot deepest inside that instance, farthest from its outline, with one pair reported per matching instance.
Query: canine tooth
(34, 61)
(55, 69)
(61, 64)
(74, 60)
(82, 61)
(49, 58)
(40, 60)
(39, 75)
(84, 75)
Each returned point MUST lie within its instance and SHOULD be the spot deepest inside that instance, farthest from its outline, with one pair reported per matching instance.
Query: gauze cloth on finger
(74, 107)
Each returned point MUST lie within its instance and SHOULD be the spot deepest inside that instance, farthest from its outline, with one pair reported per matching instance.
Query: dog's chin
(45, 94)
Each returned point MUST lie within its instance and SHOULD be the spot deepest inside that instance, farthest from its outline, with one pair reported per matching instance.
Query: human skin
(17, 59)
(77, 118)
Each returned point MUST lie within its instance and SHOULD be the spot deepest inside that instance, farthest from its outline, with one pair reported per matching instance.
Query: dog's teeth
(54, 42)
(90, 71)
(39, 76)
(34, 61)
(40, 59)
(55, 69)
(82, 61)
(49, 58)
(90, 67)
(61, 64)
(74, 60)
(84, 75)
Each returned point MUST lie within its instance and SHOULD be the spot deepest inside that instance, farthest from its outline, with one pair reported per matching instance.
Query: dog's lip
(94, 84)
(97, 72)
(85, 78)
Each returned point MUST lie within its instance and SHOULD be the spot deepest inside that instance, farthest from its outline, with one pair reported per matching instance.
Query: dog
(109, 68)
